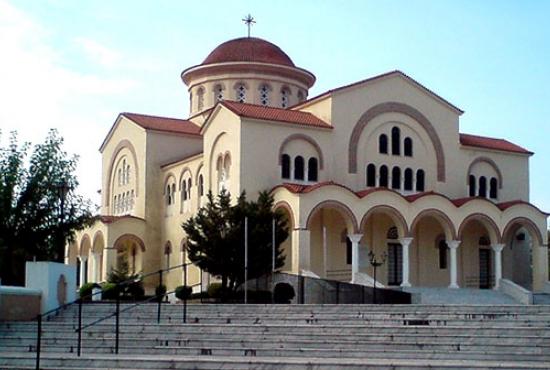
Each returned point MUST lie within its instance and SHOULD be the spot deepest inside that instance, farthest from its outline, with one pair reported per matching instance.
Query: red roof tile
(491, 143)
(275, 114)
(181, 126)
(248, 49)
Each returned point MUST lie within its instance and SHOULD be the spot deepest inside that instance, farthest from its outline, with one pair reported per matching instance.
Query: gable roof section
(492, 143)
(376, 78)
(275, 114)
(155, 123)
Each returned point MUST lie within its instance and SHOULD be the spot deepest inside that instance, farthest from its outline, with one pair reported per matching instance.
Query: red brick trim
(484, 220)
(394, 107)
(334, 204)
(437, 214)
(491, 163)
(305, 138)
(518, 222)
(121, 145)
(392, 212)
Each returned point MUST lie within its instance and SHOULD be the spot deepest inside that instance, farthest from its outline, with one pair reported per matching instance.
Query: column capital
(82, 258)
(453, 244)
(497, 248)
(355, 238)
(405, 242)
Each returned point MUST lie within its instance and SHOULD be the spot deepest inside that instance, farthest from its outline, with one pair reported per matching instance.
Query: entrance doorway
(395, 264)
(484, 268)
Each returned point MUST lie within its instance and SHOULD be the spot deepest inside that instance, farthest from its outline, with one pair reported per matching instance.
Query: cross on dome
(249, 21)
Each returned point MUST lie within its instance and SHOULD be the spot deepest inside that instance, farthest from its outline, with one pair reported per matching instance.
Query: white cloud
(38, 91)
(99, 53)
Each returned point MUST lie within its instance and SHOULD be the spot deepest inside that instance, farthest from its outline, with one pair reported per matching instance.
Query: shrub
(283, 293)
(160, 291)
(135, 290)
(215, 290)
(85, 291)
(110, 291)
(183, 292)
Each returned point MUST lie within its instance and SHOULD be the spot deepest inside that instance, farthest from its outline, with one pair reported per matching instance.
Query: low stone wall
(18, 303)
(515, 291)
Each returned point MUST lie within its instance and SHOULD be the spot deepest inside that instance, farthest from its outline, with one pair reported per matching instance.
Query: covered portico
(425, 239)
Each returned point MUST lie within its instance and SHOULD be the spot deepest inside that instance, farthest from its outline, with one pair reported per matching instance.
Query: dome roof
(248, 49)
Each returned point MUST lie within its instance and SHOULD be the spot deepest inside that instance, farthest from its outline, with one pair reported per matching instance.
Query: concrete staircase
(289, 337)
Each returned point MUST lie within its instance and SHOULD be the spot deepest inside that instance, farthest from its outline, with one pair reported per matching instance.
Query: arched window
(408, 147)
(442, 251)
(285, 166)
(200, 98)
(472, 185)
(201, 185)
(420, 181)
(395, 141)
(119, 176)
(482, 186)
(218, 91)
(383, 144)
(312, 172)
(371, 175)
(285, 95)
(264, 95)
(189, 184)
(493, 192)
(241, 93)
(408, 179)
(184, 190)
(383, 182)
(392, 234)
(299, 168)
(127, 174)
(301, 96)
(396, 178)
(167, 253)
(124, 172)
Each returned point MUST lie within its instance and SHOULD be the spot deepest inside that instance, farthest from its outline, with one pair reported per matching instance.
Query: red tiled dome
(248, 49)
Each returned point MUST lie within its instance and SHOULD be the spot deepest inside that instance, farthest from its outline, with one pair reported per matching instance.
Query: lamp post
(375, 263)
(62, 189)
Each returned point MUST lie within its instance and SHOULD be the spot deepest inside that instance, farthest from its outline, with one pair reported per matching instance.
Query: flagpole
(273, 244)
(246, 260)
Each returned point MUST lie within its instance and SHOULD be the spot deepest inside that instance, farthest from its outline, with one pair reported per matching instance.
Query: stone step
(64, 361)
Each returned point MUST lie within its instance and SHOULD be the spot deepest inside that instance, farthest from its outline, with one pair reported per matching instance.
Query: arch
(334, 204)
(168, 247)
(408, 147)
(167, 180)
(309, 139)
(383, 181)
(123, 144)
(514, 224)
(491, 163)
(312, 172)
(483, 186)
(283, 204)
(98, 237)
(199, 169)
(420, 180)
(371, 175)
(84, 242)
(444, 220)
(408, 180)
(395, 141)
(285, 166)
(493, 184)
(396, 178)
(299, 166)
(212, 148)
(394, 107)
(183, 244)
(486, 221)
(390, 211)
(182, 174)
(383, 144)
(472, 186)
(131, 238)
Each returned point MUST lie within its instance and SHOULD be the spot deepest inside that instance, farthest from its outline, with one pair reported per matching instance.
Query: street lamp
(62, 189)
(375, 264)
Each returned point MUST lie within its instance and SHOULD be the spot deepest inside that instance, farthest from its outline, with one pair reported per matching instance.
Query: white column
(82, 269)
(405, 243)
(453, 246)
(354, 238)
(325, 252)
(301, 250)
(497, 250)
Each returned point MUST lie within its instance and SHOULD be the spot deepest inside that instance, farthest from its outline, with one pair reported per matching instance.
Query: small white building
(379, 165)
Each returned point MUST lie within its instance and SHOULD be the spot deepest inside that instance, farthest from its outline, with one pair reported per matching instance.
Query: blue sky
(75, 65)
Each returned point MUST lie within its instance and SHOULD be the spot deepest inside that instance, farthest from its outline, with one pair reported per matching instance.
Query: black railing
(116, 313)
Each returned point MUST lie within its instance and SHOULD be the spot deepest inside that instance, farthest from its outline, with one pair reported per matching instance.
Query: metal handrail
(117, 309)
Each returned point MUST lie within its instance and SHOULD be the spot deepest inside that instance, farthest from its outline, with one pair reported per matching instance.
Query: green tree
(31, 225)
(215, 237)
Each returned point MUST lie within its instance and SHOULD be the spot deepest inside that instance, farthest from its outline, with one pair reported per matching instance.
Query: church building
(378, 166)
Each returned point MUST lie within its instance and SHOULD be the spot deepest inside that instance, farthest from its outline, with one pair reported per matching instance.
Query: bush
(215, 290)
(85, 291)
(160, 291)
(183, 292)
(135, 290)
(283, 293)
(110, 291)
